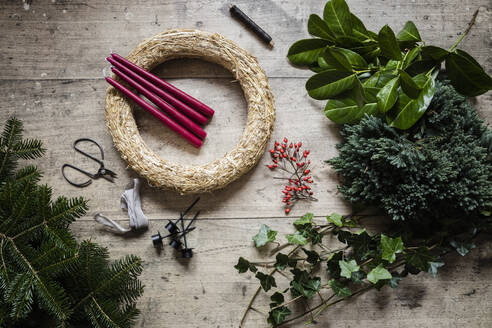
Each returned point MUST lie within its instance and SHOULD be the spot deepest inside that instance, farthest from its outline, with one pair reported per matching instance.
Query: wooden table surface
(51, 59)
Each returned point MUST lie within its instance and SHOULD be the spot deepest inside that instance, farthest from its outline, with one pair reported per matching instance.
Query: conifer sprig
(44, 272)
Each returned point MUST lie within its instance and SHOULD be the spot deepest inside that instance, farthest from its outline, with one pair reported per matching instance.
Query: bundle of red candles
(185, 114)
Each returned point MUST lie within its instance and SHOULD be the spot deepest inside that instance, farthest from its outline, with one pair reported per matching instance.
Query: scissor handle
(99, 161)
(80, 185)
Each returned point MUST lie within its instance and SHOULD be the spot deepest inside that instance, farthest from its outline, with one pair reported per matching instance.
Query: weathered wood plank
(208, 292)
(65, 39)
(59, 112)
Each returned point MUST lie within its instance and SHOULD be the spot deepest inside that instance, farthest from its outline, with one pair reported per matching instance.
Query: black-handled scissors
(101, 173)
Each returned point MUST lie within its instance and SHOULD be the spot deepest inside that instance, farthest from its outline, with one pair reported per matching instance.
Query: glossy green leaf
(378, 273)
(338, 17)
(356, 61)
(359, 30)
(390, 247)
(371, 94)
(337, 59)
(379, 79)
(328, 84)
(410, 56)
(306, 52)
(347, 268)
(348, 42)
(264, 236)
(388, 95)
(388, 44)
(410, 110)
(409, 33)
(344, 111)
(318, 27)
(357, 93)
(408, 85)
(297, 238)
(420, 66)
(336, 219)
(466, 74)
(434, 53)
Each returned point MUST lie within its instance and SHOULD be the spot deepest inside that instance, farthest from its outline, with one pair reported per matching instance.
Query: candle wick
(104, 72)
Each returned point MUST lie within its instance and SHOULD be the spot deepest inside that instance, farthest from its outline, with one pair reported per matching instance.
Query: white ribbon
(130, 201)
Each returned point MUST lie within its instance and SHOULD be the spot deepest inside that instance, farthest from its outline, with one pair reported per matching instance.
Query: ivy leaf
(282, 261)
(347, 268)
(277, 316)
(466, 74)
(266, 281)
(394, 281)
(318, 27)
(391, 247)
(419, 258)
(297, 238)
(312, 256)
(338, 17)
(408, 85)
(388, 95)
(265, 236)
(328, 84)
(243, 265)
(305, 52)
(409, 33)
(336, 219)
(339, 289)
(305, 219)
(277, 299)
(388, 44)
(410, 110)
(378, 273)
(357, 276)
(332, 265)
(433, 267)
(346, 110)
(462, 247)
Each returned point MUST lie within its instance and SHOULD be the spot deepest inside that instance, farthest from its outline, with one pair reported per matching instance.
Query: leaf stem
(470, 25)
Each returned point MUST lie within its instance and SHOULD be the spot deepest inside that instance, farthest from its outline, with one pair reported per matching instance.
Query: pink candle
(176, 103)
(170, 110)
(196, 104)
(154, 111)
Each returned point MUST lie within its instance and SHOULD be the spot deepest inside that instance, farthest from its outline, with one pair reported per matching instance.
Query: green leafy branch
(364, 73)
(363, 262)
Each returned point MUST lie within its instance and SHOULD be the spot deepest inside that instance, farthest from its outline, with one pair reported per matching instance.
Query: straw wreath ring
(188, 179)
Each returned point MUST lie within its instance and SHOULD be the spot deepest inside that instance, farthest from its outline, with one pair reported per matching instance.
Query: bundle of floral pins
(415, 149)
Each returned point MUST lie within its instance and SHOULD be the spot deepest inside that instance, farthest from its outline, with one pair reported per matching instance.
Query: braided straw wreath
(188, 179)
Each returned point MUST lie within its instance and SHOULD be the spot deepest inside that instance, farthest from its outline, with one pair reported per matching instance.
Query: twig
(470, 25)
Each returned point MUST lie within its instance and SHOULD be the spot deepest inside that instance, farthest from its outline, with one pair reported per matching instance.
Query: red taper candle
(170, 110)
(196, 104)
(190, 137)
(176, 103)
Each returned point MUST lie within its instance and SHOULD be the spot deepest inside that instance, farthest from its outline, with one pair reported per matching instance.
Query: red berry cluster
(289, 158)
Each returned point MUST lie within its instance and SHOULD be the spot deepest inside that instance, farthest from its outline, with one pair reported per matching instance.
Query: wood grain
(51, 59)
